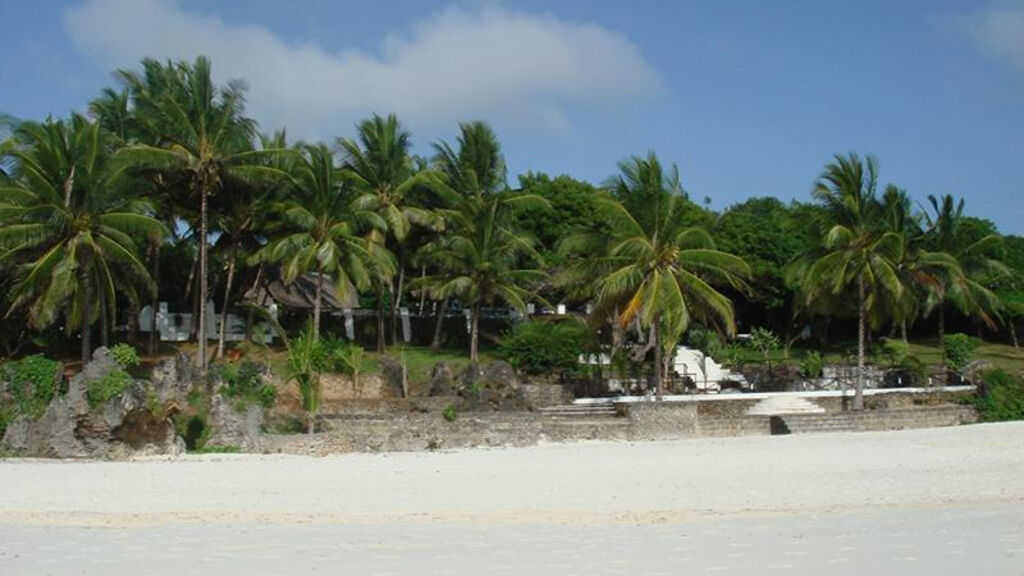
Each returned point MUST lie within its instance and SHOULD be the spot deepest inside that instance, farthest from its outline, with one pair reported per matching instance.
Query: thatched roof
(299, 294)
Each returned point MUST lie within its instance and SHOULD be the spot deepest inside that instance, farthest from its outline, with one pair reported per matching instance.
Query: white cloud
(1000, 30)
(513, 68)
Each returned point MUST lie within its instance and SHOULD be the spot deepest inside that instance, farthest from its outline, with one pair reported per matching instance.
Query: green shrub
(895, 352)
(764, 341)
(811, 365)
(245, 382)
(110, 386)
(958, 349)
(449, 413)
(1000, 396)
(30, 385)
(125, 355)
(546, 347)
(915, 369)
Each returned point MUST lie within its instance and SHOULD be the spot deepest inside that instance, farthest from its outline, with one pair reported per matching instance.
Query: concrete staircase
(784, 404)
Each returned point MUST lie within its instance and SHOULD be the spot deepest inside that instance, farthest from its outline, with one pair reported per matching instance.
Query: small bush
(811, 365)
(958, 349)
(449, 413)
(30, 385)
(245, 382)
(546, 347)
(895, 352)
(1000, 396)
(110, 386)
(125, 355)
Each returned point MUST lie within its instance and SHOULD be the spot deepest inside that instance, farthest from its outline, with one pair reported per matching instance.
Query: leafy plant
(895, 351)
(449, 413)
(764, 341)
(125, 355)
(811, 365)
(1000, 396)
(307, 360)
(31, 383)
(546, 348)
(110, 386)
(245, 382)
(958, 350)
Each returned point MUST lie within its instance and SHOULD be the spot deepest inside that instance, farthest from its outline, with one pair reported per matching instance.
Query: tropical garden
(164, 190)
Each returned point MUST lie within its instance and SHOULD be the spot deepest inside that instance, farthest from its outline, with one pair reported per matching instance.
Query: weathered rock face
(138, 421)
(442, 381)
(236, 426)
(494, 385)
(391, 372)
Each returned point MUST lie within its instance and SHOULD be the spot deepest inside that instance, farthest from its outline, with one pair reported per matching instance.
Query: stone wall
(875, 420)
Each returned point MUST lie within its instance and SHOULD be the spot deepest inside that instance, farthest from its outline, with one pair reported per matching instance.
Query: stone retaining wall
(875, 420)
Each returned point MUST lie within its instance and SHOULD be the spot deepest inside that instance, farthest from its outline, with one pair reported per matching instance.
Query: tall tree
(858, 254)
(200, 132)
(382, 171)
(69, 222)
(650, 264)
(482, 258)
(322, 232)
(976, 253)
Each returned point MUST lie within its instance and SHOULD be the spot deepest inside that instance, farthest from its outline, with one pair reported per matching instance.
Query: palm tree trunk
(858, 397)
(659, 370)
(942, 333)
(154, 302)
(1013, 335)
(474, 331)
(423, 293)
(435, 344)
(104, 324)
(316, 304)
(202, 277)
(396, 301)
(380, 320)
(86, 326)
(224, 306)
(903, 330)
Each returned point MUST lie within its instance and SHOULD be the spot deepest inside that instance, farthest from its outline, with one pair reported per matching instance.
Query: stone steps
(784, 404)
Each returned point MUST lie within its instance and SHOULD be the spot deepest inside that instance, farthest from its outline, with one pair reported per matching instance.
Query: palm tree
(383, 173)
(919, 269)
(481, 259)
(200, 131)
(964, 287)
(322, 232)
(649, 264)
(69, 222)
(857, 252)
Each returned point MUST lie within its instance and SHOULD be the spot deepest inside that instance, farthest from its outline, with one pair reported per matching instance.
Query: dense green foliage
(547, 347)
(1001, 396)
(245, 382)
(105, 213)
(125, 355)
(99, 392)
(26, 387)
(958, 350)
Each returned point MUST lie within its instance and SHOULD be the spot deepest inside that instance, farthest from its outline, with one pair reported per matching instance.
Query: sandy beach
(911, 481)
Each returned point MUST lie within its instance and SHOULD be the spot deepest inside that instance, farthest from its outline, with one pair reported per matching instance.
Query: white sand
(569, 483)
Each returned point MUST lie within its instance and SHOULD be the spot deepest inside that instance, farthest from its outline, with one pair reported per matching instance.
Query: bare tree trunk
(858, 397)
(396, 301)
(154, 302)
(903, 330)
(380, 320)
(423, 292)
(203, 231)
(474, 331)
(86, 326)
(104, 323)
(316, 304)
(659, 370)
(224, 306)
(435, 344)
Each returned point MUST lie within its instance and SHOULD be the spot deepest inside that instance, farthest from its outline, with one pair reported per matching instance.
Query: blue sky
(749, 98)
